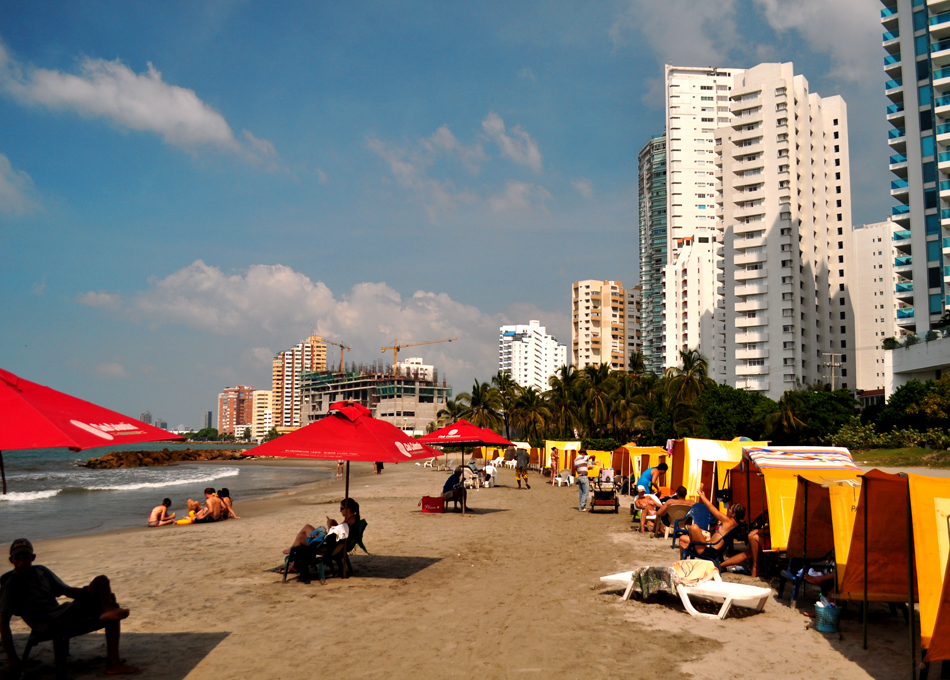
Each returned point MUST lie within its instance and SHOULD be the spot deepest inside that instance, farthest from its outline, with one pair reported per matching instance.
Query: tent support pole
(864, 609)
(805, 535)
(910, 585)
(748, 496)
(346, 494)
(3, 475)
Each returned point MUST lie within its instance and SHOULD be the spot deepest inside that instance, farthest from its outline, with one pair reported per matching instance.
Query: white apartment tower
(599, 324)
(875, 291)
(697, 102)
(529, 354)
(786, 260)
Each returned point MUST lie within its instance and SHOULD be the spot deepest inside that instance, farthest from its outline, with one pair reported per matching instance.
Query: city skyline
(316, 167)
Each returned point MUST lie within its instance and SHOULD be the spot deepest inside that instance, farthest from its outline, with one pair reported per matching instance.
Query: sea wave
(131, 486)
(19, 496)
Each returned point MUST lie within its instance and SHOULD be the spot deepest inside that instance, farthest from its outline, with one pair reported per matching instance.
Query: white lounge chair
(563, 478)
(429, 463)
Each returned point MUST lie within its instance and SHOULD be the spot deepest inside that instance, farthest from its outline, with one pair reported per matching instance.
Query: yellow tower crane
(343, 348)
(396, 347)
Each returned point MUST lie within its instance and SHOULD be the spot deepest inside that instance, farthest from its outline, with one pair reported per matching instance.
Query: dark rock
(131, 459)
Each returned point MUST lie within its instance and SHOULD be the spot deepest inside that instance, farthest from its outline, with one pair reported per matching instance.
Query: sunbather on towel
(648, 506)
(30, 592)
(726, 523)
(350, 510)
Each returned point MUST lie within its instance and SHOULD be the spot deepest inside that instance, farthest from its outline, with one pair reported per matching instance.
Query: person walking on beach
(30, 592)
(339, 469)
(159, 516)
(522, 459)
(581, 463)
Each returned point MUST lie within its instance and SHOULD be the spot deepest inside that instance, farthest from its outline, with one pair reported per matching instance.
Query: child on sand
(159, 516)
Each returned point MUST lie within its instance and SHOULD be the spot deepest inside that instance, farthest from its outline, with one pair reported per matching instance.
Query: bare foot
(287, 551)
(114, 615)
(122, 669)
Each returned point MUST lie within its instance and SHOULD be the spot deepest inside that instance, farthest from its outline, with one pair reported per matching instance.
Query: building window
(841, 260)
(842, 316)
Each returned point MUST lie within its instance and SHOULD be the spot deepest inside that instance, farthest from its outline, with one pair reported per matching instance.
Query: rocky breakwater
(132, 459)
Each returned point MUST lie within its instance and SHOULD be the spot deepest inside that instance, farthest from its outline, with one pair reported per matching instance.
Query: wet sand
(512, 590)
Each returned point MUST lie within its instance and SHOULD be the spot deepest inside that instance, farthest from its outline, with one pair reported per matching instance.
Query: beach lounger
(429, 463)
(738, 594)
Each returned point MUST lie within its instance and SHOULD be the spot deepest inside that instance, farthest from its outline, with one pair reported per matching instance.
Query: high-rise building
(917, 47)
(785, 202)
(875, 291)
(208, 420)
(634, 321)
(529, 354)
(598, 324)
(697, 102)
(235, 409)
(653, 250)
(288, 367)
(262, 419)
(146, 417)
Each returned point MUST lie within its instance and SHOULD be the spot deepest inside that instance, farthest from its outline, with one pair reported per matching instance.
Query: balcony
(746, 322)
(754, 385)
(896, 136)
(752, 306)
(944, 187)
(897, 162)
(752, 370)
(889, 12)
(892, 63)
(753, 335)
(752, 289)
(749, 258)
(940, 25)
(946, 245)
(900, 262)
(901, 235)
(741, 243)
(901, 212)
(899, 187)
(940, 52)
(895, 113)
(752, 354)
(894, 86)
(891, 38)
(745, 274)
(905, 289)
(903, 314)
(944, 214)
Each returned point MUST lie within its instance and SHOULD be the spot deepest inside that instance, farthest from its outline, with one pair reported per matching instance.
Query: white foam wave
(19, 496)
(224, 472)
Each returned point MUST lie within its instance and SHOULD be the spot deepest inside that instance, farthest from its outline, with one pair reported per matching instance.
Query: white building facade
(529, 354)
(263, 414)
(786, 260)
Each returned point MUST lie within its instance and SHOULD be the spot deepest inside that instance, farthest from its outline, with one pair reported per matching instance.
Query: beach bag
(432, 504)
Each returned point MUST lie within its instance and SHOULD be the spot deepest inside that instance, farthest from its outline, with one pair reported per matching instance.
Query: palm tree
(596, 395)
(531, 413)
(508, 390)
(626, 389)
(688, 382)
(482, 406)
(785, 420)
(452, 410)
(637, 366)
(563, 398)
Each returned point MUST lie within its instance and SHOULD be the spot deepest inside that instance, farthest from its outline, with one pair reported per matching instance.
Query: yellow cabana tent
(562, 447)
(812, 527)
(689, 455)
(643, 458)
(930, 510)
(939, 648)
(602, 459)
(844, 497)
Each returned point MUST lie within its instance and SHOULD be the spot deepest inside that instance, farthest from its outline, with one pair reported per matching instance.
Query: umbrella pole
(864, 613)
(3, 475)
(347, 492)
(464, 492)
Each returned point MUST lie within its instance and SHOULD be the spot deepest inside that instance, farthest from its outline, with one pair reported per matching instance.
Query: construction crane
(396, 347)
(343, 348)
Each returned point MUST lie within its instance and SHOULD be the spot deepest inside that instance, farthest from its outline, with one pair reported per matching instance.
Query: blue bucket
(826, 618)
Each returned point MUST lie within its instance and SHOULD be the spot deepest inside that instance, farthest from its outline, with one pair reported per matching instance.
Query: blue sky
(186, 188)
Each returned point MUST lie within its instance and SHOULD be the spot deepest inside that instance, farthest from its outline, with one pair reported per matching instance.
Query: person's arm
(7, 635)
(660, 511)
(655, 480)
(712, 508)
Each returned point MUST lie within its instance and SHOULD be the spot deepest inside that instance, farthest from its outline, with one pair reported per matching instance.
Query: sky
(187, 188)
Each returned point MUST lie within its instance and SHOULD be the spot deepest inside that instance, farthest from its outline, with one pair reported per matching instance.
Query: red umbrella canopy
(463, 433)
(33, 416)
(349, 432)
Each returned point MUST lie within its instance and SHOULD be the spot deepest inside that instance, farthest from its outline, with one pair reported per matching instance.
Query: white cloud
(111, 370)
(527, 74)
(519, 196)
(275, 306)
(99, 299)
(518, 145)
(688, 32)
(847, 30)
(322, 176)
(17, 196)
(444, 141)
(144, 102)
(584, 187)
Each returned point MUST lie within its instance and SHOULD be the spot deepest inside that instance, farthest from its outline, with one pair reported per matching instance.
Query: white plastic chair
(564, 478)
(429, 463)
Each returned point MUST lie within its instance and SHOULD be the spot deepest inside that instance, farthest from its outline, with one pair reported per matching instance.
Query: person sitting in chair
(757, 539)
(453, 489)
(678, 499)
(315, 537)
(727, 523)
(30, 592)
(648, 507)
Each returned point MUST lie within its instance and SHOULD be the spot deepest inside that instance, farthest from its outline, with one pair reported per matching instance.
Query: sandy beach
(512, 590)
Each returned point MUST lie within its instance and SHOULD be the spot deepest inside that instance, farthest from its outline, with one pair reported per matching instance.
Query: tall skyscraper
(263, 415)
(875, 291)
(917, 49)
(599, 324)
(208, 424)
(288, 367)
(785, 204)
(633, 318)
(529, 354)
(653, 250)
(235, 408)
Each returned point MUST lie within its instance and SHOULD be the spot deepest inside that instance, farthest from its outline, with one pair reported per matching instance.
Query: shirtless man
(212, 511)
(648, 506)
(159, 516)
(30, 592)
(726, 524)
(678, 499)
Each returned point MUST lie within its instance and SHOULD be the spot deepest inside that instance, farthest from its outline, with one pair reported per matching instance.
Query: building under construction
(409, 398)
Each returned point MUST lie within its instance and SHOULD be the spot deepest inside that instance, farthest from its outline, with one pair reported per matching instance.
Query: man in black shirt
(30, 592)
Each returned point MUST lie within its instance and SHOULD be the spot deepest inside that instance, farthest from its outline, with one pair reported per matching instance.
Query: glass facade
(653, 248)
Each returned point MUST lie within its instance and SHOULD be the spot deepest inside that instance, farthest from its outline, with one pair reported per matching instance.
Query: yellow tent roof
(698, 450)
(930, 510)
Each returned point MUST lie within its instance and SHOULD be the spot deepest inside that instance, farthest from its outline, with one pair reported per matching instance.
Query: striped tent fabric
(800, 458)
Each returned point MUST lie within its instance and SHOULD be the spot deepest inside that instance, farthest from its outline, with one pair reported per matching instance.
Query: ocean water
(50, 495)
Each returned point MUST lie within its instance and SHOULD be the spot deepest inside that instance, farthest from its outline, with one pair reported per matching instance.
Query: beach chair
(340, 559)
(563, 478)
(332, 551)
(469, 478)
(738, 594)
(698, 514)
(711, 554)
(429, 463)
(673, 513)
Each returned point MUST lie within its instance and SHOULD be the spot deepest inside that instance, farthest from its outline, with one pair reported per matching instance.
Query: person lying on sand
(648, 506)
(159, 516)
(212, 511)
(726, 523)
(225, 497)
(30, 592)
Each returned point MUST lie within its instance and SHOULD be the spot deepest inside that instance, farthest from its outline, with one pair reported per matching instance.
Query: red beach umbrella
(348, 433)
(463, 433)
(33, 416)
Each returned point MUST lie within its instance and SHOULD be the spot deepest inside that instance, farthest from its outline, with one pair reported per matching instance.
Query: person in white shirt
(581, 463)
